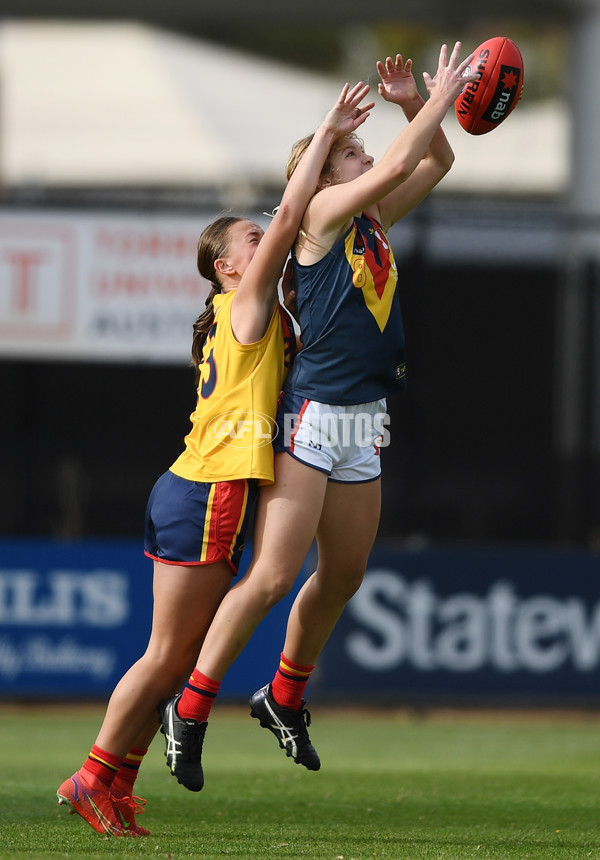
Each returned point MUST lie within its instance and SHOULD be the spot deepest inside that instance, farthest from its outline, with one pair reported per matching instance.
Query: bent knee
(172, 662)
(343, 584)
(278, 588)
(351, 586)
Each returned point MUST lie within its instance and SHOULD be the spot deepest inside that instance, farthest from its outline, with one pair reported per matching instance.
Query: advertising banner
(481, 622)
(455, 623)
(75, 616)
(99, 286)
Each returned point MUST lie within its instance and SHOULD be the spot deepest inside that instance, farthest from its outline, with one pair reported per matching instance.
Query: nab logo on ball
(504, 97)
(485, 103)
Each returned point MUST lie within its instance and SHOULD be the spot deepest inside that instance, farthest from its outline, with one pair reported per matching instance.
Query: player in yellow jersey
(198, 509)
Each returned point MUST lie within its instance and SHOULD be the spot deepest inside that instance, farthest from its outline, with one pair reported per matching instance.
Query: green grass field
(445, 786)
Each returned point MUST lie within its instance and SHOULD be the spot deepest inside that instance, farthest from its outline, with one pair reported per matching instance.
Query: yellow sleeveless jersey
(238, 391)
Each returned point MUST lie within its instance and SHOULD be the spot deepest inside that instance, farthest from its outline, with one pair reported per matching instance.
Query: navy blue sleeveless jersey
(350, 320)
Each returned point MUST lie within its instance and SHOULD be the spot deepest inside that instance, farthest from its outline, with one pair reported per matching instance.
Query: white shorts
(342, 441)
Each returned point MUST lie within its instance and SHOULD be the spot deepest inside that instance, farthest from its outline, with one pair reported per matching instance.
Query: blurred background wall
(125, 129)
(146, 124)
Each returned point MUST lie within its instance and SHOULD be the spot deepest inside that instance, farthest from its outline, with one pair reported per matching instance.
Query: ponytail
(202, 327)
(213, 243)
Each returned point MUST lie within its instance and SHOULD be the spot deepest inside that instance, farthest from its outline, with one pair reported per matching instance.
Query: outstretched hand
(397, 82)
(451, 76)
(348, 114)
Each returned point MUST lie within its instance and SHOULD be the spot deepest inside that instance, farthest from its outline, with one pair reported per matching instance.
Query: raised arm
(398, 86)
(380, 186)
(256, 295)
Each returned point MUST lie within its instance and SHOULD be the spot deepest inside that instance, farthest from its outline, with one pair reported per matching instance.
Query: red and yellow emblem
(376, 278)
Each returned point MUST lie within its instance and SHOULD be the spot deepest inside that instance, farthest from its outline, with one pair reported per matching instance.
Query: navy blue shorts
(188, 522)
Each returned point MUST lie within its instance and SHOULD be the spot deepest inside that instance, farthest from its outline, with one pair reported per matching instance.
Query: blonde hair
(300, 147)
(298, 150)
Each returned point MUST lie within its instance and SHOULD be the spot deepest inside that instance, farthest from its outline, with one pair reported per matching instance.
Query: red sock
(289, 683)
(198, 695)
(102, 765)
(125, 779)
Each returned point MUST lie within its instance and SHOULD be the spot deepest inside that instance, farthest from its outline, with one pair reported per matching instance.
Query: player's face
(244, 237)
(349, 161)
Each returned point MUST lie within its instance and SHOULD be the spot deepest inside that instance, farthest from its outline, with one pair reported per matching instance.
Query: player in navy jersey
(332, 417)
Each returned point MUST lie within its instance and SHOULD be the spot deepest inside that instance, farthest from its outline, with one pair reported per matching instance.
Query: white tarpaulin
(102, 103)
(96, 104)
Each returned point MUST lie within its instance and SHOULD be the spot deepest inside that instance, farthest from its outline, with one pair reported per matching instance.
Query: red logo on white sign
(37, 281)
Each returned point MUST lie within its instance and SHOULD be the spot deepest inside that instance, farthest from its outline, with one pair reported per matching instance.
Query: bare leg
(287, 516)
(345, 536)
(346, 531)
(185, 600)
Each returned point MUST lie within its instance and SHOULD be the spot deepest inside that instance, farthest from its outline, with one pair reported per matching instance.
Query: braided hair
(213, 244)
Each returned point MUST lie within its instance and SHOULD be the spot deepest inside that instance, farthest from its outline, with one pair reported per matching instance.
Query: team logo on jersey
(373, 271)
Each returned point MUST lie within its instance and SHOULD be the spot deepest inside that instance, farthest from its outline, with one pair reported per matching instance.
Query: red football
(485, 103)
